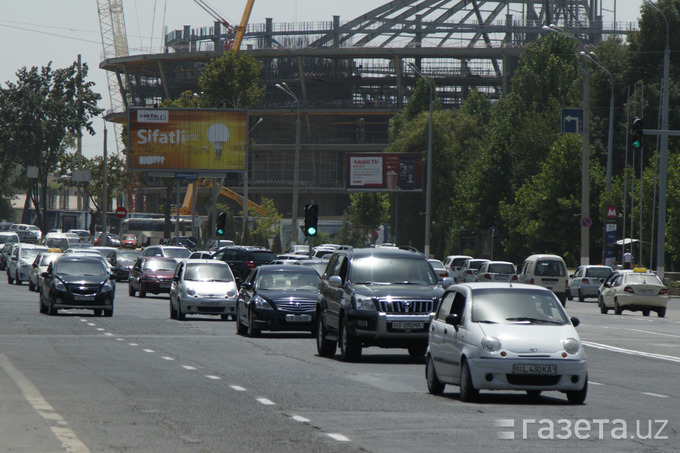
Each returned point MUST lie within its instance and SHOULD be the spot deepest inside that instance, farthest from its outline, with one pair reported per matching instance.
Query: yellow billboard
(171, 139)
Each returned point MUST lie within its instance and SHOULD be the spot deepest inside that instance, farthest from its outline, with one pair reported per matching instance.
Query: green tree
(369, 211)
(266, 226)
(230, 81)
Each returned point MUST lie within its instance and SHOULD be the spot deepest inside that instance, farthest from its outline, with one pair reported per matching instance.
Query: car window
(159, 265)
(80, 268)
(445, 306)
(207, 273)
(177, 253)
(647, 279)
(520, 306)
(501, 268)
(550, 268)
(598, 272)
(379, 269)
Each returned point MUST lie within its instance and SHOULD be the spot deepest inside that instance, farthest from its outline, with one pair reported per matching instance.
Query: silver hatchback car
(586, 281)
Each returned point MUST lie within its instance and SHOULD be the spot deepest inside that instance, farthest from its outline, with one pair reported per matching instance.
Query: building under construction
(350, 78)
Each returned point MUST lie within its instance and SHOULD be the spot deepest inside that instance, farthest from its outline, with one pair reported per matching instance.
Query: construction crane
(187, 205)
(239, 30)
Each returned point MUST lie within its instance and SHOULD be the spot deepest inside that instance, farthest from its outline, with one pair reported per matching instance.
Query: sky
(35, 32)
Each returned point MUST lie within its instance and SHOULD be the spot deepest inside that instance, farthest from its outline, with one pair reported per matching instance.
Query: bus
(150, 230)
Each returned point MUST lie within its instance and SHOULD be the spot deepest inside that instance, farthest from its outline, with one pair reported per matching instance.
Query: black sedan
(122, 261)
(277, 297)
(77, 282)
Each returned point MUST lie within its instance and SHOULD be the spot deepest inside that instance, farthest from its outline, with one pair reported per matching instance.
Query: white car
(203, 287)
(635, 291)
(496, 271)
(505, 336)
(586, 281)
(452, 263)
(21, 261)
(468, 271)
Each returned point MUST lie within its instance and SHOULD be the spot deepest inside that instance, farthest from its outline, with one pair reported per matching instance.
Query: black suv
(382, 297)
(243, 259)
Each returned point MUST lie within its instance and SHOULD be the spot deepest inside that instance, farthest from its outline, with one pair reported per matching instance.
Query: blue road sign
(586, 222)
(572, 121)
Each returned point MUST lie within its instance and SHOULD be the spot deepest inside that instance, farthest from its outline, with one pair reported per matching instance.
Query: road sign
(493, 231)
(612, 213)
(121, 212)
(572, 121)
(586, 222)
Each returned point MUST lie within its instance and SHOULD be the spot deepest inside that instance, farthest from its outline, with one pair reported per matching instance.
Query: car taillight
(250, 264)
(514, 277)
(585, 280)
(469, 272)
(487, 276)
(663, 292)
(531, 281)
(629, 289)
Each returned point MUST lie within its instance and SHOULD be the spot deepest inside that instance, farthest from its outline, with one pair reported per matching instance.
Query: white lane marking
(339, 437)
(133, 344)
(59, 427)
(595, 383)
(91, 324)
(301, 419)
(100, 329)
(120, 339)
(148, 350)
(658, 395)
(108, 334)
(188, 367)
(266, 402)
(238, 388)
(607, 347)
(167, 358)
(213, 377)
(83, 320)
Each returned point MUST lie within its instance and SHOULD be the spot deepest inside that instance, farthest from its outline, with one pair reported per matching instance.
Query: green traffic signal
(311, 231)
(311, 219)
(637, 133)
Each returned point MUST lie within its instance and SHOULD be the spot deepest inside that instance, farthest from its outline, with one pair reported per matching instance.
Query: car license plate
(210, 303)
(298, 318)
(534, 369)
(501, 277)
(408, 325)
(84, 298)
(165, 285)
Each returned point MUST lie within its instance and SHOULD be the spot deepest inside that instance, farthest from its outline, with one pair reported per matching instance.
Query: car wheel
(569, 296)
(180, 316)
(108, 312)
(417, 351)
(645, 312)
(131, 290)
(578, 396)
(142, 291)
(468, 392)
(434, 385)
(661, 312)
(10, 280)
(97, 312)
(534, 393)
(604, 310)
(252, 330)
(240, 328)
(324, 346)
(580, 296)
(43, 308)
(617, 308)
(50, 308)
(224, 317)
(16, 277)
(350, 347)
(173, 312)
(31, 286)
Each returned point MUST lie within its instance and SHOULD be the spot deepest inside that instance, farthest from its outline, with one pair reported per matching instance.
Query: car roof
(284, 267)
(203, 261)
(380, 251)
(472, 286)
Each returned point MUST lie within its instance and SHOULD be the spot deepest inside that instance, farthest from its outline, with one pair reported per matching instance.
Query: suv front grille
(405, 306)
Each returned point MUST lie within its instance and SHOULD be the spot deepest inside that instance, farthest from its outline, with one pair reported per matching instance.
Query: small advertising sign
(187, 139)
(385, 172)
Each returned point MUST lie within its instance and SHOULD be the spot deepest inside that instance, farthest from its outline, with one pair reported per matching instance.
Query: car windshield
(177, 253)
(88, 267)
(127, 257)
(288, 281)
(505, 306)
(598, 272)
(202, 272)
(502, 268)
(392, 270)
(550, 268)
(645, 279)
(47, 259)
(159, 265)
(30, 254)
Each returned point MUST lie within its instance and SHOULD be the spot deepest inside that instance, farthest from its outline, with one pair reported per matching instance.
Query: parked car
(548, 271)
(586, 281)
(243, 259)
(84, 235)
(468, 270)
(77, 282)
(203, 287)
(167, 251)
(151, 274)
(635, 291)
(128, 241)
(452, 263)
(122, 261)
(21, 261)
(376, 297)
(7, 237)
(40, 264)
(496, 271)
(501, 336)
(277, 297)
(438, 268)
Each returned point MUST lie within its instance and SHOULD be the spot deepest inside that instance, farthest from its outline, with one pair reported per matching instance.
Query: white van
(548, 271)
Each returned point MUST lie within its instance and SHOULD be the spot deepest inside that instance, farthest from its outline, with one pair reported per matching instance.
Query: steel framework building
(352, 78)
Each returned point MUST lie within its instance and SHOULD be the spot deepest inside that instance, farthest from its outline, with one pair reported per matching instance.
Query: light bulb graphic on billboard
(218, 135)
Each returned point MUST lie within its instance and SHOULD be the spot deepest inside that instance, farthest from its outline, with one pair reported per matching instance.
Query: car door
(609, 289)
(47, 283)
(334, 296)
(176, 285)
(454, 337)
(135, 272)
(437, 329)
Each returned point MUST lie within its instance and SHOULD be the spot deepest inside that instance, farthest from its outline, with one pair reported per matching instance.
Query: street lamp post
(663, 154)
(585, 156)
(428, 188)
(296, 170)
(105, 200)
(245, 179)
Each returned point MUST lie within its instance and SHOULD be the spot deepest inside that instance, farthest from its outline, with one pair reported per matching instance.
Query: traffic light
(311, 219)
(637, 134)
(221, 223)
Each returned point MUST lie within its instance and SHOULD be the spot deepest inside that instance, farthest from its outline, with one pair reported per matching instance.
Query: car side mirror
(335, 281)
(571, 276)
(45, 274)
(575, 321)
(246, 285)
(453, 319)
(175, 278)
(447, 281)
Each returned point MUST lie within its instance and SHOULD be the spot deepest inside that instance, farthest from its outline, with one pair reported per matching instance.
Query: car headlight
(364, 303)
(232, 292)
(491, 344)
(571, 345)
(261, 303)
(190, 292)
(106, 287)
(59, 285)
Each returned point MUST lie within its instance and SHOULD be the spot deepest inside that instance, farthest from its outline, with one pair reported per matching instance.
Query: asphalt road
(140, 381)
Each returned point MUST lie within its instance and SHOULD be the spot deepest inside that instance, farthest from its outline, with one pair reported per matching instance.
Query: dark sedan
(77, 281)
(277, 297)
(151, 274)
(122, 261)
